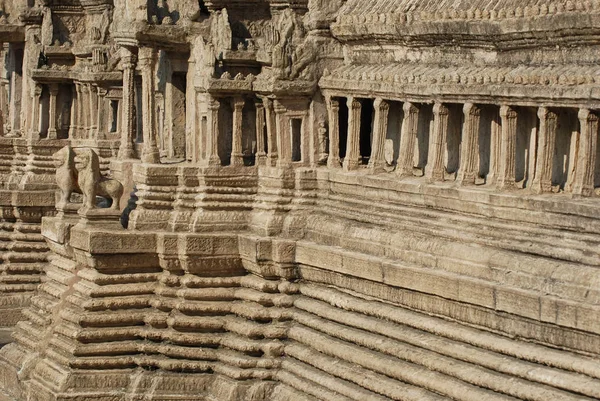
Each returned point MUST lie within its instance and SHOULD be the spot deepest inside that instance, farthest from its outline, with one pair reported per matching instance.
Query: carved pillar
(3, 105)
(4, 71)
(93, 120)
(377, 159)
(28, 102)
(284, 146)
(333, 161)
(84, 105)
(495, 169)
(586, 158)
(36, 94)
(408, 140)
(52, 134)
(352, 159)
(508, 149)
(542, 182)
(74, 111)
(212, 143)
(436, 168)
(469, 160)
(102, 118)
(237, 155)
(147, 61)
(271, 132)
(126, 150)
(260, 137)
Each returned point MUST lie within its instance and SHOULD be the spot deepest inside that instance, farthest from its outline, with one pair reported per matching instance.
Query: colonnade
(276, 136)
(553, 153)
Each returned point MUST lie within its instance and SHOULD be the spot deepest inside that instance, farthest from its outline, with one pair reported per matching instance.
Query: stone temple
(273, 200)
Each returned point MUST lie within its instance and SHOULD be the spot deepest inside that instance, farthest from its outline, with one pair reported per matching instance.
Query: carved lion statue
(80, 172)
(66, 175)
(92, 183)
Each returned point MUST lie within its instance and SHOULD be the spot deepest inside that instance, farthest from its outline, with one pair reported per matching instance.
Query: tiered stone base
(23, 252)
(401, 299)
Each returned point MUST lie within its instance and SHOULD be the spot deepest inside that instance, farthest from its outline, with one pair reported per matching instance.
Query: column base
(351, 165)
(152, 157)
(237, 159)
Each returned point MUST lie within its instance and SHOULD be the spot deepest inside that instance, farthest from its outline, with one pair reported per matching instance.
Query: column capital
(36, 90)
(53, 89)
(147, 57)
(440, 109)
(381, 104)
(471, 109)
(507, 111)
(545, 113)
(214, 104)
(334, 103)
(409, 108)
(238, 102)
(279, 108)
(354, 103)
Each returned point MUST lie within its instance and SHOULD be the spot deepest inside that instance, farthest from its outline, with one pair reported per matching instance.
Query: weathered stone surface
(322, 200)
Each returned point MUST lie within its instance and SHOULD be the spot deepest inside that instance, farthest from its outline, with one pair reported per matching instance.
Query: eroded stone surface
(334, 200)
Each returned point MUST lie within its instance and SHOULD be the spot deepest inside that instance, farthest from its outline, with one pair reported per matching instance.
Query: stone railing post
(333, 108)
(271, 132)
(508, 150)
(147, 61)
(126, 150)
(237, 155)
(52, 134)
(284, 147)
(469, 160)
(352, 158)
(586, 158)
(436, 168)
(380, 127)
(260, 133)
(408, 139)
(36, 94)
(212, 144)
(542, 182)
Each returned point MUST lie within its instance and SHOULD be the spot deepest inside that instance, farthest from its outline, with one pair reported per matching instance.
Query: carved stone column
(333, 161)
(126, 150)
(495, 169)
(586, 158)
(4, 71)
(508, 152)
(377, 159)
(352, 159)
(271, 132)
(408, 140)
(3, 105)
(102, 119)
(52, 134)
(284, 146)
(260, 137)
(436, 168)
(93, 116)
(147, 60)
(542, 182)
(74, 112)
(469, 160)
(84, 105)
(28, 102)
(237, 155)
(212, 140)
(36, 94)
